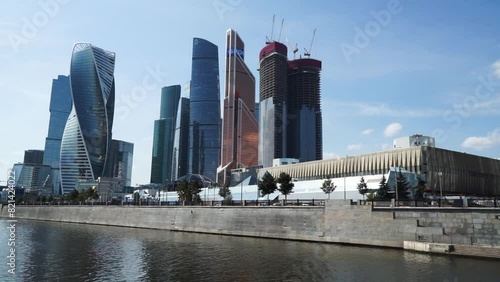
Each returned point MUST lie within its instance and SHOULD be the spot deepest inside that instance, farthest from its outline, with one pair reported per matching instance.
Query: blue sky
(390, 68)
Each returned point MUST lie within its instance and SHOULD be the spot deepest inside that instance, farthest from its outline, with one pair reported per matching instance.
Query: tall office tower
(33, 157)
(33, 175)
(60, 107)
(240, 130)
(304, 128)
(204, 110)
(181, 140)
(119, 161)
(273, 96)
(163, 140)
(87, 135)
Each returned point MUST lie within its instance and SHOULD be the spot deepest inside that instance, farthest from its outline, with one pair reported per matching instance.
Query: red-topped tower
(273, 103)
(304, 127)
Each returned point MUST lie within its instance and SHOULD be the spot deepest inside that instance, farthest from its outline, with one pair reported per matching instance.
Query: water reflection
(64, 252)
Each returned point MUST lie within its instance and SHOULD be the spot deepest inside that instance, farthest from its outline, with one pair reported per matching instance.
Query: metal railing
(443, 203)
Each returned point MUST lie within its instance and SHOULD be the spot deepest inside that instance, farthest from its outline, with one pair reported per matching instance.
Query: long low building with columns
(454, 172)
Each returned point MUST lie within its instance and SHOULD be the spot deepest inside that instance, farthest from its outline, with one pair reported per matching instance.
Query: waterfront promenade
(449, 231)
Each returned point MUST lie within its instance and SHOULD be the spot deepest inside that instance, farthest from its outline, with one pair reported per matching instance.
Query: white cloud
(496, 69)
(354, 147)
(385, 146)
(367, 131)
(392, 129)
(327, 156)
(483, 142)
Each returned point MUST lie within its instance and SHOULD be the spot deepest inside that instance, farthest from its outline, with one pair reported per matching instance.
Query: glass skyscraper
(240, 131)
(163, 139)
(181, 140)
(204, 121)
(60, 107)
(87, 135)
(119, 161)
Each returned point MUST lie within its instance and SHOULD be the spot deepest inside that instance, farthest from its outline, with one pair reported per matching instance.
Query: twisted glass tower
(87, 135)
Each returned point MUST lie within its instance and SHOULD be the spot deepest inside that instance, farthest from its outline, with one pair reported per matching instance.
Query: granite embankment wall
(471, 232)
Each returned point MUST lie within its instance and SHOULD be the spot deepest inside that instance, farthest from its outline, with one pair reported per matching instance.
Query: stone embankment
(450, 231)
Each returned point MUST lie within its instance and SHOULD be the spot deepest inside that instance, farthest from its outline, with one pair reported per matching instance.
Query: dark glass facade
(181, 140)
(119, 162)
(87, 134)
(163, 139)
(34, 157)
(240, 130)
(304, 132)
(272, 103)
(204, 121)
(60, 107)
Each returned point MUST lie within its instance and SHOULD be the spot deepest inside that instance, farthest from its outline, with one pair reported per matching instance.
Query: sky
(390, 68)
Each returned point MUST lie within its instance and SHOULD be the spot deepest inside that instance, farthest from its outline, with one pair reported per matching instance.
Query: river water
(48, 251)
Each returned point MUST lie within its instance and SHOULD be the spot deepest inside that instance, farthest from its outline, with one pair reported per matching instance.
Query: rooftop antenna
(281, 29)
(306, 52)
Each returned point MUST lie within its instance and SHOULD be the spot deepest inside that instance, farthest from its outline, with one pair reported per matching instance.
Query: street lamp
(441, 183)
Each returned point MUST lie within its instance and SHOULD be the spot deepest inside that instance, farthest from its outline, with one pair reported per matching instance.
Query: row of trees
(83, 195)
(403, 188)
(268, 185)
(189, 191)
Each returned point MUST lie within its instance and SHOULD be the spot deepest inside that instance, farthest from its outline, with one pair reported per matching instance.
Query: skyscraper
(33, 157)
(87, 135)
(119, 161)
(164, 131)
(204, 121)
(240, 130)
(304, 127)
(60, 107)
(273, 103)
(181, 140)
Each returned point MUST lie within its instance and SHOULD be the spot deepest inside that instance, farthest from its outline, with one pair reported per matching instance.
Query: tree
(267, 185)
(225, 193)
(362, 187)
(183, 191)
(188, 191)
(371, 196)
(50, 199)
(136, 198)
(403, 186)
(73, 195)
(83, 196)
(328, 187)
(420, 189)
(286, 185)
(44, 199)
(194, 190)
(383, 188)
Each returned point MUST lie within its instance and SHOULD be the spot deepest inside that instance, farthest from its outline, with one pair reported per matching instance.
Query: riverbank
(469, 232)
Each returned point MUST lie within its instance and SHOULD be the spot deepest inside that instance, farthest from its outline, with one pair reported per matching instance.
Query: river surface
(48, 251)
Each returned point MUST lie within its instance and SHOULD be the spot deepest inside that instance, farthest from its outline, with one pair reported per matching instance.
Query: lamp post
(344, 188)
(441, 184)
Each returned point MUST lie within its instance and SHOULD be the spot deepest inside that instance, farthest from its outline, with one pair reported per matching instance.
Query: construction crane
(294, 50)
(272, 33)
(281, 29)
(306, 52)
